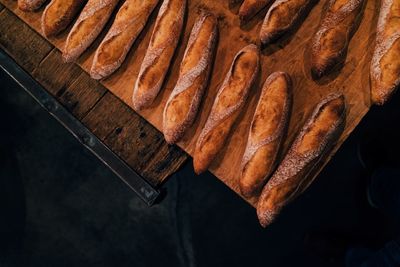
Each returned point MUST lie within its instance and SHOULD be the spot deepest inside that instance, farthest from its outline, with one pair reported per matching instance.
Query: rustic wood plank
(138, 143)
(26, 47)
(133, 139)
(54, 75)
(142, 146)
(82, 95)
(106, 116)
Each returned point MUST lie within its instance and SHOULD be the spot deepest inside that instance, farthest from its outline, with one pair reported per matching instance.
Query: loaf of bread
(129, 22)
(385, 67)
(228, 103)
(250, 8)
(295, 172)
(59, 14)
(282, 17)
(183, 103)
(331, 41)
(156, 62)
(30, 5)
(266, 134)
(91, 21)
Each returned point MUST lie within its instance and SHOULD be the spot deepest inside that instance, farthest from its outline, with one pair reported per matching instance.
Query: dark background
(60, 206)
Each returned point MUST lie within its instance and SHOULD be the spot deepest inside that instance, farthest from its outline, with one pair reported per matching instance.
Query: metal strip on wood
(137, 183)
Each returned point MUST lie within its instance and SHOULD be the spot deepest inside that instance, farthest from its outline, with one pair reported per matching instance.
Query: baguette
(30, 5)
(267, 130)
(385, 67)
(59, 14)
(91, 21)
(129, 22)
(184, 101)
(228, 103)
(250, 8)
(314, 141)
(331, 41)
(156, 62)
(282, 17)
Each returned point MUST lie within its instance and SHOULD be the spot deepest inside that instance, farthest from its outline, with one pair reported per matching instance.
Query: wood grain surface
(290, 55)
(137, 142)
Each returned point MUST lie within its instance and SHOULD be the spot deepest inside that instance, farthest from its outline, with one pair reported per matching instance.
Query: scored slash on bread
(90, 23)
(228, 104)
(129, 22)
(283, 16)
(182, 105)
(59, 14)
(30, 5)
(385, 65)
(156, 62)
(330, 43)
(267, 131)
(250, 8)
(293, 175)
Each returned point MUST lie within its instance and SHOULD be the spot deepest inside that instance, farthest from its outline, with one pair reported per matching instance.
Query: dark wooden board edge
(138, 143)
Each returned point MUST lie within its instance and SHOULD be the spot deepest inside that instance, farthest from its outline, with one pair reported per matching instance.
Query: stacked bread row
(340, 19)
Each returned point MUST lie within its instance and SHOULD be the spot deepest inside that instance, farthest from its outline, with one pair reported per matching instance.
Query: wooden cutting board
(290, 55)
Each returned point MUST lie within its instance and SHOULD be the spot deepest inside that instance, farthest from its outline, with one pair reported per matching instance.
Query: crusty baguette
(183, 103)
(30, 5)
(156, 62)
(314, 141)
(385, 67)
(59, 14)
(331, 41)
(283, 16)
(91, 21)
(129, 22)
(228, 104)
(267, 130)
(250, 8)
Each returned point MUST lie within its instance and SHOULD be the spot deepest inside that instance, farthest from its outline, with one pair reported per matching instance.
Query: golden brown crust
(184, 101)
(30, 5)
(331, 41)
(268, 127)
(59, 14)
(228, 103)
(250, 8)
(281, 17)
(156, 62)
(129, 22)
(91, 21)
(385, 67)
(317, 137)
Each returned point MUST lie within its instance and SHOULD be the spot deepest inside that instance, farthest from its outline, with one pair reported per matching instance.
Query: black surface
(138, 184)
(60, 206)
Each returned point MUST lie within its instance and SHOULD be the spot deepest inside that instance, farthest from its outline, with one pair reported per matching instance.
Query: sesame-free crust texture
(331, 41)
(58, 14)
(314, 141)
(250, 8)
(385, 66)
(183, 103)
(88, 26)
(228, 104)
(267, 132)
(282, 17)
(164, 40)
(30, 5)
(129, 22)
